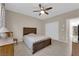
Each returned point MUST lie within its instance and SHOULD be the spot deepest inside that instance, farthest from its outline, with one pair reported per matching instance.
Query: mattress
(32, 38)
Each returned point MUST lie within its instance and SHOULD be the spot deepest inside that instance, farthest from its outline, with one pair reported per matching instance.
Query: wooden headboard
(27, 30)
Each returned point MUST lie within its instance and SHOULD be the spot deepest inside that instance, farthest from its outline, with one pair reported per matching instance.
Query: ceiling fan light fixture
(42, 12)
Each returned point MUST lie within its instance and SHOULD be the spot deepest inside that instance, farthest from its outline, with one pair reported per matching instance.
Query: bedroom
(19, 16)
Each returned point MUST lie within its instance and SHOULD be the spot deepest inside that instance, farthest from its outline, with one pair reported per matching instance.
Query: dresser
(6, 47)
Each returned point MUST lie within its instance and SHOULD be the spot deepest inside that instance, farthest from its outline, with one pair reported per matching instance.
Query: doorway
(74, 35)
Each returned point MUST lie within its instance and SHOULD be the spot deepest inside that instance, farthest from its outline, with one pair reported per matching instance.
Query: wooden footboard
(40, 45)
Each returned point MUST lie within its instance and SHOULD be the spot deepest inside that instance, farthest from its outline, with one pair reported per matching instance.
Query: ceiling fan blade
(48, 8)
(46, 13)
(40, 5)
(36, 11)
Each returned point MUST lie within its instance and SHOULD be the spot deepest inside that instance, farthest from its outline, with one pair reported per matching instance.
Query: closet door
(52, 30)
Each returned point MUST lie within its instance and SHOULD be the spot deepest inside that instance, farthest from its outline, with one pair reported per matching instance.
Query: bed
(33, 41)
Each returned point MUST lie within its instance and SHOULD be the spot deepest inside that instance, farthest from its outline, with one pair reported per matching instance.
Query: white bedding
(32, 38)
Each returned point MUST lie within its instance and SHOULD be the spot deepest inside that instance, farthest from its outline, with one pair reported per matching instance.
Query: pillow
(32, 34)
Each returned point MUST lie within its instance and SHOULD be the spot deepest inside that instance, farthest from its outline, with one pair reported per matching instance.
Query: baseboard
(60, 41)
(63, 41)
(20, 41)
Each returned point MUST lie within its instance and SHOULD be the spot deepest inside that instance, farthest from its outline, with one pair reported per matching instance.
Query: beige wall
(63, 35)
(15, 23)
(0, 15)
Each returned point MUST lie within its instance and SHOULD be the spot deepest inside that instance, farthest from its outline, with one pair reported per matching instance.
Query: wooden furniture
(6, 47)
(75, 49)
(29, 30)
(38, 45)
(7, 50)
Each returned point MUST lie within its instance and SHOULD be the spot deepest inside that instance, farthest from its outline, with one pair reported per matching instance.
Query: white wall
(15, 23)
(52, 30)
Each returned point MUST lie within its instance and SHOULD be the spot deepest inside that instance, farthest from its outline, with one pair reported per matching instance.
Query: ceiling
(28, 8)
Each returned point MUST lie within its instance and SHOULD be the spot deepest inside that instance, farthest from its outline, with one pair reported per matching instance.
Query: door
(75, 46)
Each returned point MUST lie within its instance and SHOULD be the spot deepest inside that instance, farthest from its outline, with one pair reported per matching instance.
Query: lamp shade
(3, 29)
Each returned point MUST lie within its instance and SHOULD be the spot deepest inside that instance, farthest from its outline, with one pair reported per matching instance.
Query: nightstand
(15, 40)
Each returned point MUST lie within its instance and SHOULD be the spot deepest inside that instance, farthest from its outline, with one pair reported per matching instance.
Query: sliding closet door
(52, 30)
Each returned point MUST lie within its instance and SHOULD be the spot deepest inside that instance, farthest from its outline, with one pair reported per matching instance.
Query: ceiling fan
(43, 10)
